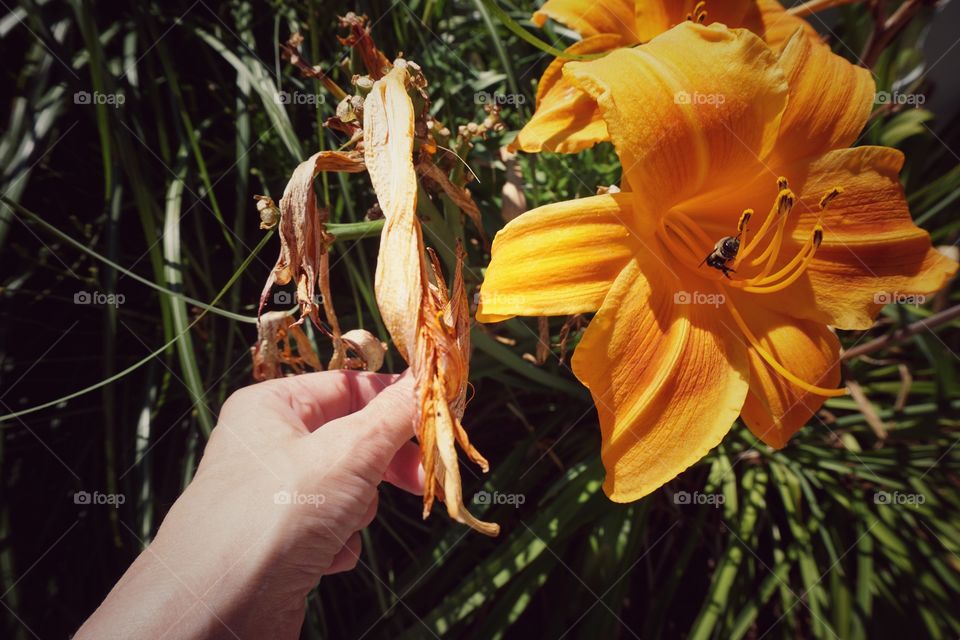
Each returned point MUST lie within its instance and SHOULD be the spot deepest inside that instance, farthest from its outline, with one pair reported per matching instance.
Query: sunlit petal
(558, 259)
(668, 379)
(694, 108)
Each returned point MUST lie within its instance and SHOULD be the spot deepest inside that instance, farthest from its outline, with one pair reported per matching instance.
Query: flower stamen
(775, 365)
(778, 213)
(687, 249)
(699, 14)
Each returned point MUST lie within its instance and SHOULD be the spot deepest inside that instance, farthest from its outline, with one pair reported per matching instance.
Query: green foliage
(846, 533)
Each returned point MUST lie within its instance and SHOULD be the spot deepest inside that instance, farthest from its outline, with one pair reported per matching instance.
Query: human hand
(288, 479)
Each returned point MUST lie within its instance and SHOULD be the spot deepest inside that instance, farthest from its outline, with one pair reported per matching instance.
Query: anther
(829, 197)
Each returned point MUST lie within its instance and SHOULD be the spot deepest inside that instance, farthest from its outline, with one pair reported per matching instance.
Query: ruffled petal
(829, 104)
(589, 17)
(695, 108)
(769, 20)
(567, 120)
(668, 379)
(558, 259)
(872, 253)
(775, 409)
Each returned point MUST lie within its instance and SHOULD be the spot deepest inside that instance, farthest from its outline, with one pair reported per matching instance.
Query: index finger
(318, 398)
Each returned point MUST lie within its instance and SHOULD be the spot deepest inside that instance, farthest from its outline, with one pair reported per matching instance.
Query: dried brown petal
(304, 241)
(459, 195)
(367, 346)
(373, 59)
(277, 333)
(430, 329)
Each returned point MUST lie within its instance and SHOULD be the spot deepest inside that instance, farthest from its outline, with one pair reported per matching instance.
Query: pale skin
(287, 481)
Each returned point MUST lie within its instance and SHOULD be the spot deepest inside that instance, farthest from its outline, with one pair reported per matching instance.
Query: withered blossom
(430, 328)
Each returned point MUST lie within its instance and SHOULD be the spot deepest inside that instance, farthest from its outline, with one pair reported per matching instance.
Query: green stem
(355, 230)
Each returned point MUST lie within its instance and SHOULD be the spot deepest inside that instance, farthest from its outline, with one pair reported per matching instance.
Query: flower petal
(872, 251)
(668, 379)
(589, 17)
(558, 259)
(567, 120)
(694, 108)
(769, 20)
(388, 153)
(830, 100)
(776, 409)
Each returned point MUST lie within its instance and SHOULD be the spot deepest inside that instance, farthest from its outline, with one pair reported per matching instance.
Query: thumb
(383, 425)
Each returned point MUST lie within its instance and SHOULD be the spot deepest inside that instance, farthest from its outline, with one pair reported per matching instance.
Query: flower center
(750, 258)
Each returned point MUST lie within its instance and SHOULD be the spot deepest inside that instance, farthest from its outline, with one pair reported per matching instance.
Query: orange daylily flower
(568, 120)
(677, 348)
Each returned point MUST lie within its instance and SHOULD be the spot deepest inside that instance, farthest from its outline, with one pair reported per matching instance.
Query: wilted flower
(430, 329)
(277, 334)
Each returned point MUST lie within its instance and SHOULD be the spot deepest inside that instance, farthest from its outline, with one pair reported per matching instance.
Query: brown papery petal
(431, 331)
(303, 242)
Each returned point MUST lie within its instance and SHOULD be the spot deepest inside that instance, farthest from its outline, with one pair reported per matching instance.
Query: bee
(727, 248)
(723, 252)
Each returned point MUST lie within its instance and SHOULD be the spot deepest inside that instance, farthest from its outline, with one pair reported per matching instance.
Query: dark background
(568, 561)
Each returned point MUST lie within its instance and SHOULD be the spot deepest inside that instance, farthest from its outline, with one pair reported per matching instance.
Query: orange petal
(871, 251)
(589, 17)
(558, 259)
(830, 100)
(566, 120)
(776, 409)
(668, 379)
(769, 20)
(694, 108)
(388, 153)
